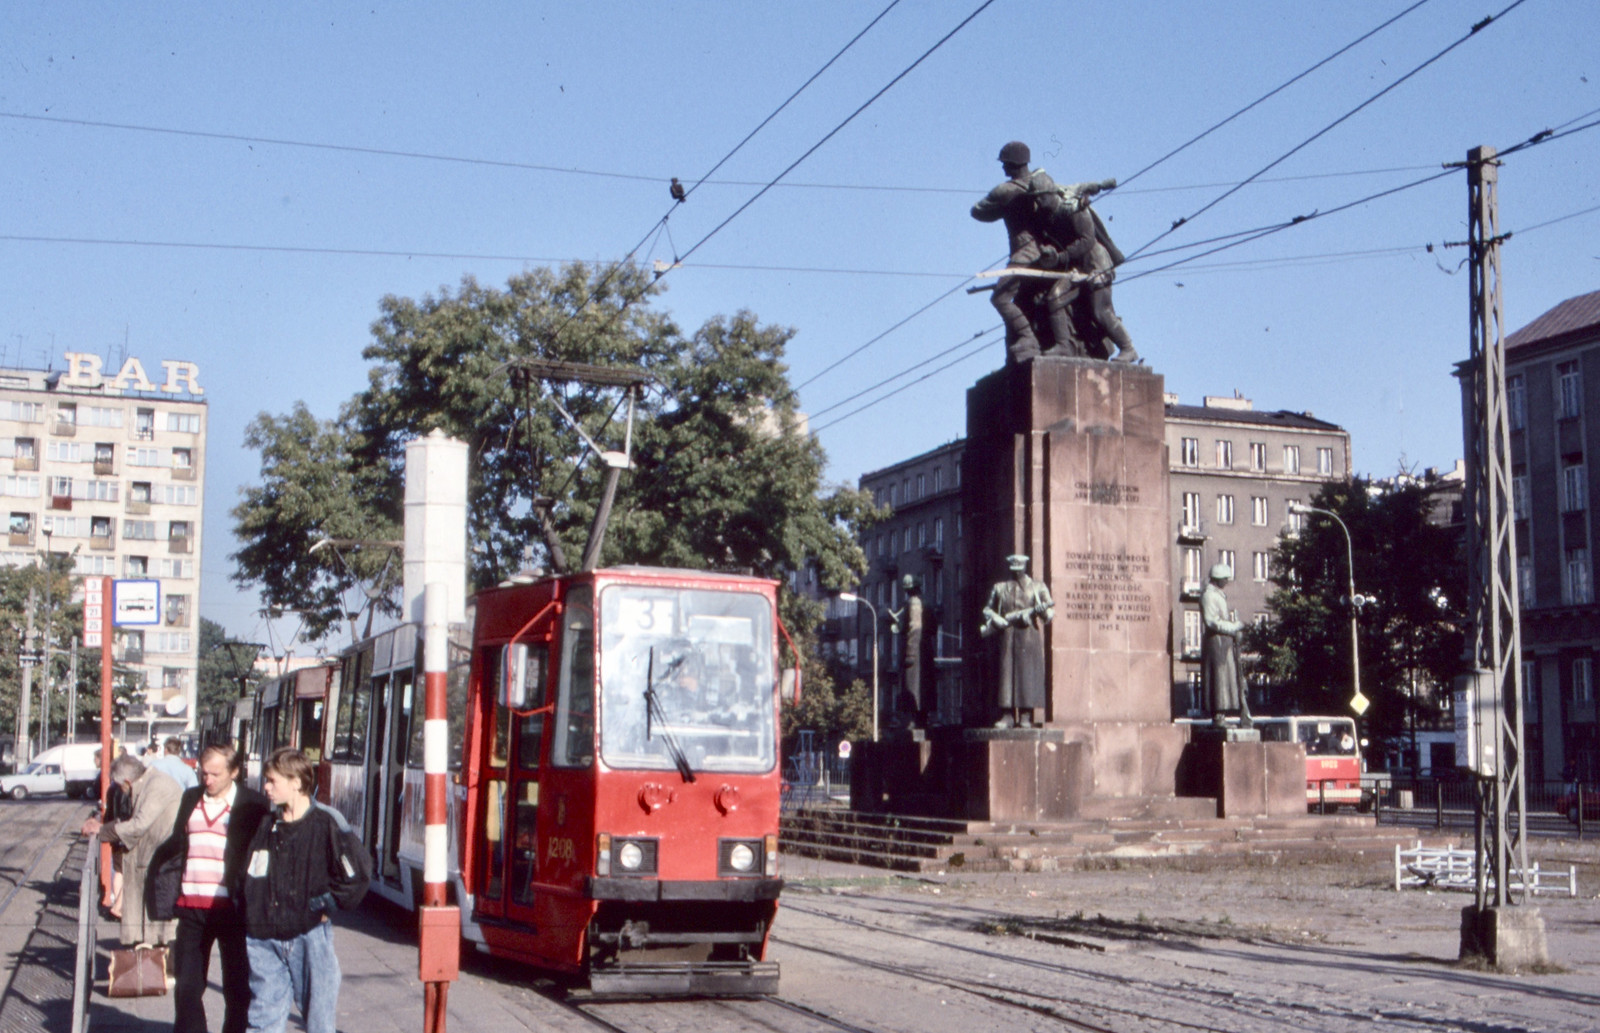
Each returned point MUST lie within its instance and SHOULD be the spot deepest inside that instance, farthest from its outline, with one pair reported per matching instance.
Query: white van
(78, 765)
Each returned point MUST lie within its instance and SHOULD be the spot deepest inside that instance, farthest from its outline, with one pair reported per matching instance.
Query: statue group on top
(1055, 298)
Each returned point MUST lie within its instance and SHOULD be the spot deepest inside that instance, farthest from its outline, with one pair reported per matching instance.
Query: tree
(1411, 574)
(225, 668)
(723, 476)
(53, 610)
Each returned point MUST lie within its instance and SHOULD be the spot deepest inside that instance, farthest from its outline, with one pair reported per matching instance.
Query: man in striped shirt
(216, 822)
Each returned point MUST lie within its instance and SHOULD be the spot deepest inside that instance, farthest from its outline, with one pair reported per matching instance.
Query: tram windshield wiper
(653, 713)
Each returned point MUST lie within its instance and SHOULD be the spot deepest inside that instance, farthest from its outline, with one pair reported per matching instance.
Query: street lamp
(1357, 702)
(851, 597)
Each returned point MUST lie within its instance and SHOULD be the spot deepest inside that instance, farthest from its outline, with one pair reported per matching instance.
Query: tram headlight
(741, 857)
(629, 857)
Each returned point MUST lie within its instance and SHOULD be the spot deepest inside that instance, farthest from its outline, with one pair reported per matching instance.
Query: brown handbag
(138, 972)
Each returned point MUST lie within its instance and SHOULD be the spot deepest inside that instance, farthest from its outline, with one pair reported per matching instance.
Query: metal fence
(88, 936)
(815, 779)
(1553, 808)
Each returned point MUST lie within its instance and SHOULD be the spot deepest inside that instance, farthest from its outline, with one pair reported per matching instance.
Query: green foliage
(1409, 637)
(57, 611)
(222, 666)
(723, 476)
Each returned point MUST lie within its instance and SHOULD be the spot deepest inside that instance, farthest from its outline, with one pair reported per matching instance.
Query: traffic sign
(844, 748)
(30, 659)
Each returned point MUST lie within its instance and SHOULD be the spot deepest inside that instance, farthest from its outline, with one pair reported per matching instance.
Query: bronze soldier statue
(916, 666)
(1074, 239)
(1017, 612)
(1219, 651)
(1012, 202)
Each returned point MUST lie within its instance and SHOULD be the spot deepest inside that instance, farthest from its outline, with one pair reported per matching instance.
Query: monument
(1065, 470)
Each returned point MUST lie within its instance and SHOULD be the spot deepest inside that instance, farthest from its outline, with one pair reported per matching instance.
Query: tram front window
(1328, 738)
(687, 678)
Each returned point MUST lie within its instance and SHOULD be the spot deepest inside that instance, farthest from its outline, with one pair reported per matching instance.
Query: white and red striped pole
(439, 957)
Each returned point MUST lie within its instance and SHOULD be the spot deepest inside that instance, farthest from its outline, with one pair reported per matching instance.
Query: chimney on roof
(1171, 398)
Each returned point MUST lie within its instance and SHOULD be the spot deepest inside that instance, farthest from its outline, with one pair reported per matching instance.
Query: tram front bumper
(709, 978)
(635, 889)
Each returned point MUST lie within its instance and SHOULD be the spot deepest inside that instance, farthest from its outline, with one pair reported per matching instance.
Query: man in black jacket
(189, 881)
(301, 866)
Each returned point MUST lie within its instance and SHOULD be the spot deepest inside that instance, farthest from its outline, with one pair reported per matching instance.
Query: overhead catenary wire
(1297, 148)
(964, 342)
(1271, 93)
(931, 373)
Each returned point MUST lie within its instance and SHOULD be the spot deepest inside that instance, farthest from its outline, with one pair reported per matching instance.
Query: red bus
(1333, 756)
(613, 811)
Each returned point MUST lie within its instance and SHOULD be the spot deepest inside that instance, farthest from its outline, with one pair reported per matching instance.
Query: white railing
(1452, 869)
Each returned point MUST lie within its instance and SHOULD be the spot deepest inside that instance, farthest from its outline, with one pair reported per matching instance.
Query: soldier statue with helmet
(1054, 234)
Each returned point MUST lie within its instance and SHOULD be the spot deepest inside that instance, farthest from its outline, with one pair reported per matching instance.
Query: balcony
(61, 502)
(144, 433)
(138, 507)
(102, 542)
(183, 473)
(1195, 532)
(177, 618)
(22, 539)
(178, 544)
(26, 463)
(105, 466)
(63, 429)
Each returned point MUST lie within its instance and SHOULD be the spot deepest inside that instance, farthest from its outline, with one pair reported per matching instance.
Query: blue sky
(286, 249)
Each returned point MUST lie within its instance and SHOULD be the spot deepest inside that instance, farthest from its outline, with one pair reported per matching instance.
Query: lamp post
(851, 597)
(49, 629)
(1356, 701)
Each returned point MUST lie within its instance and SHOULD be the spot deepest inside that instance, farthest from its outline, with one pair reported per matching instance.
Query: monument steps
(917, 844)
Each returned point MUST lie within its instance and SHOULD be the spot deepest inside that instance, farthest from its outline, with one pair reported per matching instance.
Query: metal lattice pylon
(1495, 646)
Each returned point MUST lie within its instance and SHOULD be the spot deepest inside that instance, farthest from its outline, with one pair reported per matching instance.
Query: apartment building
(1552, 376)
(1234, 473)
(109, 470)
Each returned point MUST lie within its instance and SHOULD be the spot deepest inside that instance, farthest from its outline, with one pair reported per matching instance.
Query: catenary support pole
(439, 954)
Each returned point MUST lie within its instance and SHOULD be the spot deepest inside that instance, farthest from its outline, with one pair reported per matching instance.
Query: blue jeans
(303, 971)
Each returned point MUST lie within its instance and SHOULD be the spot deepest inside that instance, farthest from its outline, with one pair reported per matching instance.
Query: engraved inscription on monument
(1105, 493)
(1101, 587)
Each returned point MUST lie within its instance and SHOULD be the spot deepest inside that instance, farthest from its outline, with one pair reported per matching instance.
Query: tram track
(1254, 1007)
(25, 875)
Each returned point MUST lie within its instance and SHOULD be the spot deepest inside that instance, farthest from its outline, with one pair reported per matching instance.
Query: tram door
(523, 808)
(381, 707)
(510, 857)
(496, 765)
(397, 740)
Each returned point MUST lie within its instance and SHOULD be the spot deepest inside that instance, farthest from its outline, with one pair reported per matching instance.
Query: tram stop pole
(97, 631)
(439, 924)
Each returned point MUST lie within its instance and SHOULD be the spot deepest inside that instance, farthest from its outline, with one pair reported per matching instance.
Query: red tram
(613, 742)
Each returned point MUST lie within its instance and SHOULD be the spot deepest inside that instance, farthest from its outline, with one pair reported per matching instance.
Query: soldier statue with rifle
(1014, 619)
(1057, 280)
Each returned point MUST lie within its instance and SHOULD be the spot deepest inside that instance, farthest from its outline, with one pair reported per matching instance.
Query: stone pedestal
(1248, 778)
(1014, 774)
(1507, 938)
(1066, 461)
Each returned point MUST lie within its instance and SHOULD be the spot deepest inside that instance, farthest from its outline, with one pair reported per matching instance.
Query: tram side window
(574, 739)
(354, 736)
(456, 700)
(525, 858)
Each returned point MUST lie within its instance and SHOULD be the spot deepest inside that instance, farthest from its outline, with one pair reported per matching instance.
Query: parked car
(38, 777)
(1567, 802)
(77, 762)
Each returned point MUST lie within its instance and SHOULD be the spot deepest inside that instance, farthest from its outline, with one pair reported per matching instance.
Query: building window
(105, 454)
(1261, 566)
(1191, 509)
(101, 416)
(63, 451)
(144, 424)
(921, 486)
(1325, 461)
(1224, 509)
(100, 527)
(1258, 456)
(938, 531)
(1583, 680)
(1579, 590)
(1297, 521)
(1525, 581)
(177, 568)
(922, 534)
(894, 544)
(186, 423)
(1225, 557)
(178, 530)
(139, 530)
(179, 494)
(1191, 565)
(1224, 455)
(94, 564)
(1530, 692)
(1191, 632)
(136, 566)
(1517, 402)
(938, 479)
(22, 412)
(1573, 493)
(1519, 496)
(61, 487)
(182, 459)
(1291, 458)
(1571, 390)
(25, 487)
(145, 457)
(1189, 451)
(67, 414)
(1258, 510)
